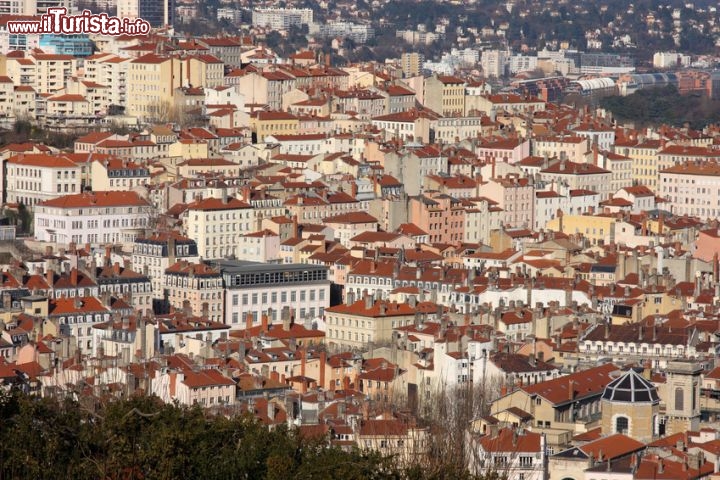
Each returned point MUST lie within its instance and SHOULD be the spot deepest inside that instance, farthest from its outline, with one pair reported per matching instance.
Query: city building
(255, 289)
(96, 218)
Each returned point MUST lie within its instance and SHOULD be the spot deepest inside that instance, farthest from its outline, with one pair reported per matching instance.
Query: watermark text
(57, 21)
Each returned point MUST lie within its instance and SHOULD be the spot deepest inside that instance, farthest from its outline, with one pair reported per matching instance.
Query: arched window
(679, 399)
(621, 425)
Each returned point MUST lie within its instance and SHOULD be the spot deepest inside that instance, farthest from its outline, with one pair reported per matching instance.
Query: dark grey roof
(631, 388)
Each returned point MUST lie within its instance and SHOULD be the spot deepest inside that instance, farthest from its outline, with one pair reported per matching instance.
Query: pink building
(516, 196)
(508, 150)
(441, 215)
(692, 189)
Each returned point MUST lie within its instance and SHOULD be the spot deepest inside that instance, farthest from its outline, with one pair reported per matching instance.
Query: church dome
(631, 387)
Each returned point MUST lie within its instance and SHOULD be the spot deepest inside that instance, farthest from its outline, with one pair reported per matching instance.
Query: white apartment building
(256, 289)
(34, 178)
(93, 217)
(110, 70)
(216, 225)
(522, 63)
(671, 60)
(281, 18)
(494, 62)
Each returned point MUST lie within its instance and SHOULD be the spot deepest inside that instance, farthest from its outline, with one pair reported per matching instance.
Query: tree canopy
(664, 105)
(143, 438)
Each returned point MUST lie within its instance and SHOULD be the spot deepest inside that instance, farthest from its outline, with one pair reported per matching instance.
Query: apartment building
(77, 315)
(206, 388)
(354, 324)
(153, 79)
(216, 225)
(409, 125)
(644, 158)
(116, 174)
(580, 176)
(255, 289)
(445, 94)
(508, 150)
(52, 71)
(515, 196)
(21, 70)
(7, 99)
(156, 253)
(692, 189)
(111, 70)
(412, 165)
(571, 148)
(281, 18)
(93, 217)
(679, 154)
(195, 287)
(265, 124)
(34, 178)
(509, 103)
(440, 215)
(265, 87)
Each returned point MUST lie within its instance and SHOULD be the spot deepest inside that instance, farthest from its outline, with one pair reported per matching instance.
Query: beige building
(580, 176)
(265, 124)
(355, 323)
(52, 71)
(681, 396)
(561, 407)
(631, 406)
(197, 287)
(118, 174)
(217, 224)
(571, 148)
(152, 79)
(411, 64)
(644, 156)
(407, 443)
(205, 387)
(445, 94)
(265, 87)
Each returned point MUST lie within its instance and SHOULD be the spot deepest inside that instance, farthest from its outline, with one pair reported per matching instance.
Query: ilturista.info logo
(57, 21)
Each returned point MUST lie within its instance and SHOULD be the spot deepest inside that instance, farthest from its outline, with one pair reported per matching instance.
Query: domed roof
(631, 387)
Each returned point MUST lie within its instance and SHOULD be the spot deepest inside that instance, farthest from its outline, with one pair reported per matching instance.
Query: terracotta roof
(97, 199)
(585, 383)
(351, 218)
(508, 440)
(42, 160)
(601, 450)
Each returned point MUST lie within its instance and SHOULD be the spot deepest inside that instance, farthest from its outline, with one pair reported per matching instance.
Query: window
(621, 424)
(679, 399)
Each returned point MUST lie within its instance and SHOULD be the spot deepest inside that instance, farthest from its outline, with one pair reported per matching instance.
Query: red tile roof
(97, 199)
(585, 383)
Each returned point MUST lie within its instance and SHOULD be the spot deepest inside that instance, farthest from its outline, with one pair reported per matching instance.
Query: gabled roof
(586, 383)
